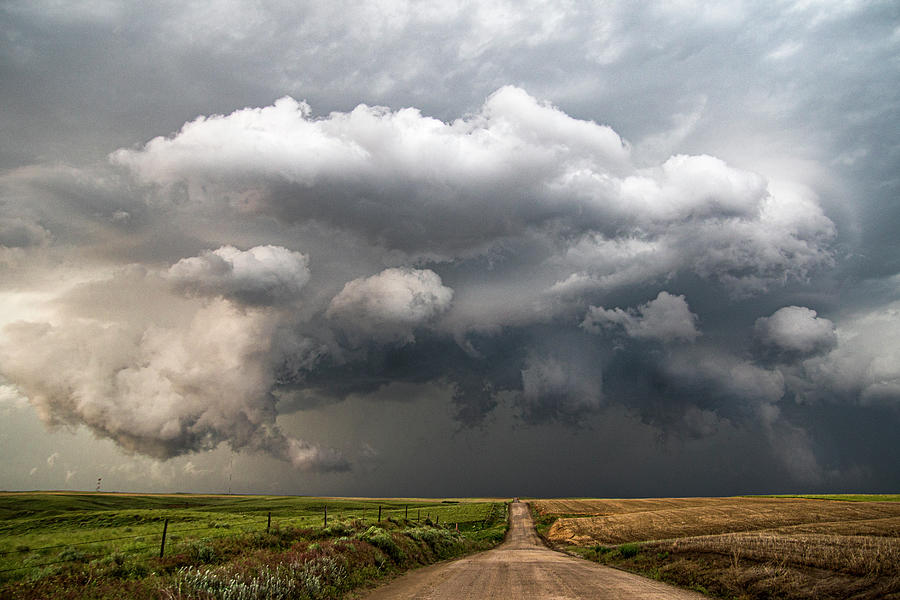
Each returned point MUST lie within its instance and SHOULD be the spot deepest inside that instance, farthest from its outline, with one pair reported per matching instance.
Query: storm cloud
(417, 191)
(302, 232)
(516, 169)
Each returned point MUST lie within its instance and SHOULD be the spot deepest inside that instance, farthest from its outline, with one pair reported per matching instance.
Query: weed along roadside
(227, 547)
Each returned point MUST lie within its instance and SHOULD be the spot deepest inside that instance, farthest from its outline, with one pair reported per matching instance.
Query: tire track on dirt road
(522, 567)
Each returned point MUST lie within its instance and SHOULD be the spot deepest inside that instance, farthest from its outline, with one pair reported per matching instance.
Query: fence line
(243, 526)
(127, 537)
(148, 545)
(113, 539)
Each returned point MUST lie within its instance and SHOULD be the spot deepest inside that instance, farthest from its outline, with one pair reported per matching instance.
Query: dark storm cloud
(680, 213)
(518, 170)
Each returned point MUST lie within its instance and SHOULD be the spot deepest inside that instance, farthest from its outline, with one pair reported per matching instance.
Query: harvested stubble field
(748, 547)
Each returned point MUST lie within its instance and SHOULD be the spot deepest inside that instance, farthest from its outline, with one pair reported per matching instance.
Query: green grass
(40, 528)
(843, 497)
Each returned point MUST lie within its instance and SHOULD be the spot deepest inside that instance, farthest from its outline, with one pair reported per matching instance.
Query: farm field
(742, 547)
(52, 541)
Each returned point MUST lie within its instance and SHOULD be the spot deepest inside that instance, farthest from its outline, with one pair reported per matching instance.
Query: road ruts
(522, 567)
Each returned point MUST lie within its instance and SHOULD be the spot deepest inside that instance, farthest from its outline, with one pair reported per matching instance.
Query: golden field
(619, 521)
(741, 547)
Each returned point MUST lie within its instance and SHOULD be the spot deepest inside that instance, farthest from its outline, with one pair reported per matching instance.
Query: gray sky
(450, 248)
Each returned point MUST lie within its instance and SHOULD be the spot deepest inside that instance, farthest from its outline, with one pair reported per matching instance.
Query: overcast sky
(450, 248)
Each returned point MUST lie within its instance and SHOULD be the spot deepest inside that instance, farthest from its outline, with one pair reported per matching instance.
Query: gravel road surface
(522, 567)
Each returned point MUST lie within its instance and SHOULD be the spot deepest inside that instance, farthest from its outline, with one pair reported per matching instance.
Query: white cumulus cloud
(160, 391)
(388, 306)
(258, 276)
(864, 365)
(666, 318)
(517, 169)
(796, 330)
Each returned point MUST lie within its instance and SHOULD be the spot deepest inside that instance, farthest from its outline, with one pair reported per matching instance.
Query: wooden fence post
(326, 515)
(269, 523)
(406, 517)
(379, 513)
(162, 545)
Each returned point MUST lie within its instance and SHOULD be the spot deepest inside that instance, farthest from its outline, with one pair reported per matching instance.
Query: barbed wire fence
(147, 546)
(175, 536)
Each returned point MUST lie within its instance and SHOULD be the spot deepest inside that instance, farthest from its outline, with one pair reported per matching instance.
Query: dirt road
(522, 567)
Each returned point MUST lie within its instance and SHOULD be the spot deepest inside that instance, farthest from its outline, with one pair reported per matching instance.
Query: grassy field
(52, 540)
(828, 546)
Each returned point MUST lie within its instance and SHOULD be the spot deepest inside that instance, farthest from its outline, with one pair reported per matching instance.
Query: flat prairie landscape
(227, 547)
(108, 546)
(742, 547)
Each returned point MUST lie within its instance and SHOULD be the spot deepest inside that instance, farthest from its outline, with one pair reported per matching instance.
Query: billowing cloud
(533, 218)
(261, 275)
(796, 331)
(389, 306)
(666, 318)
(746, 240)
(399, 178)
(160, 391)
(864, 366)
(515, 170)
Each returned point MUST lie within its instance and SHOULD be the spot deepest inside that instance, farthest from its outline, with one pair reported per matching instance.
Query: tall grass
(320, 577)
(222, 561)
